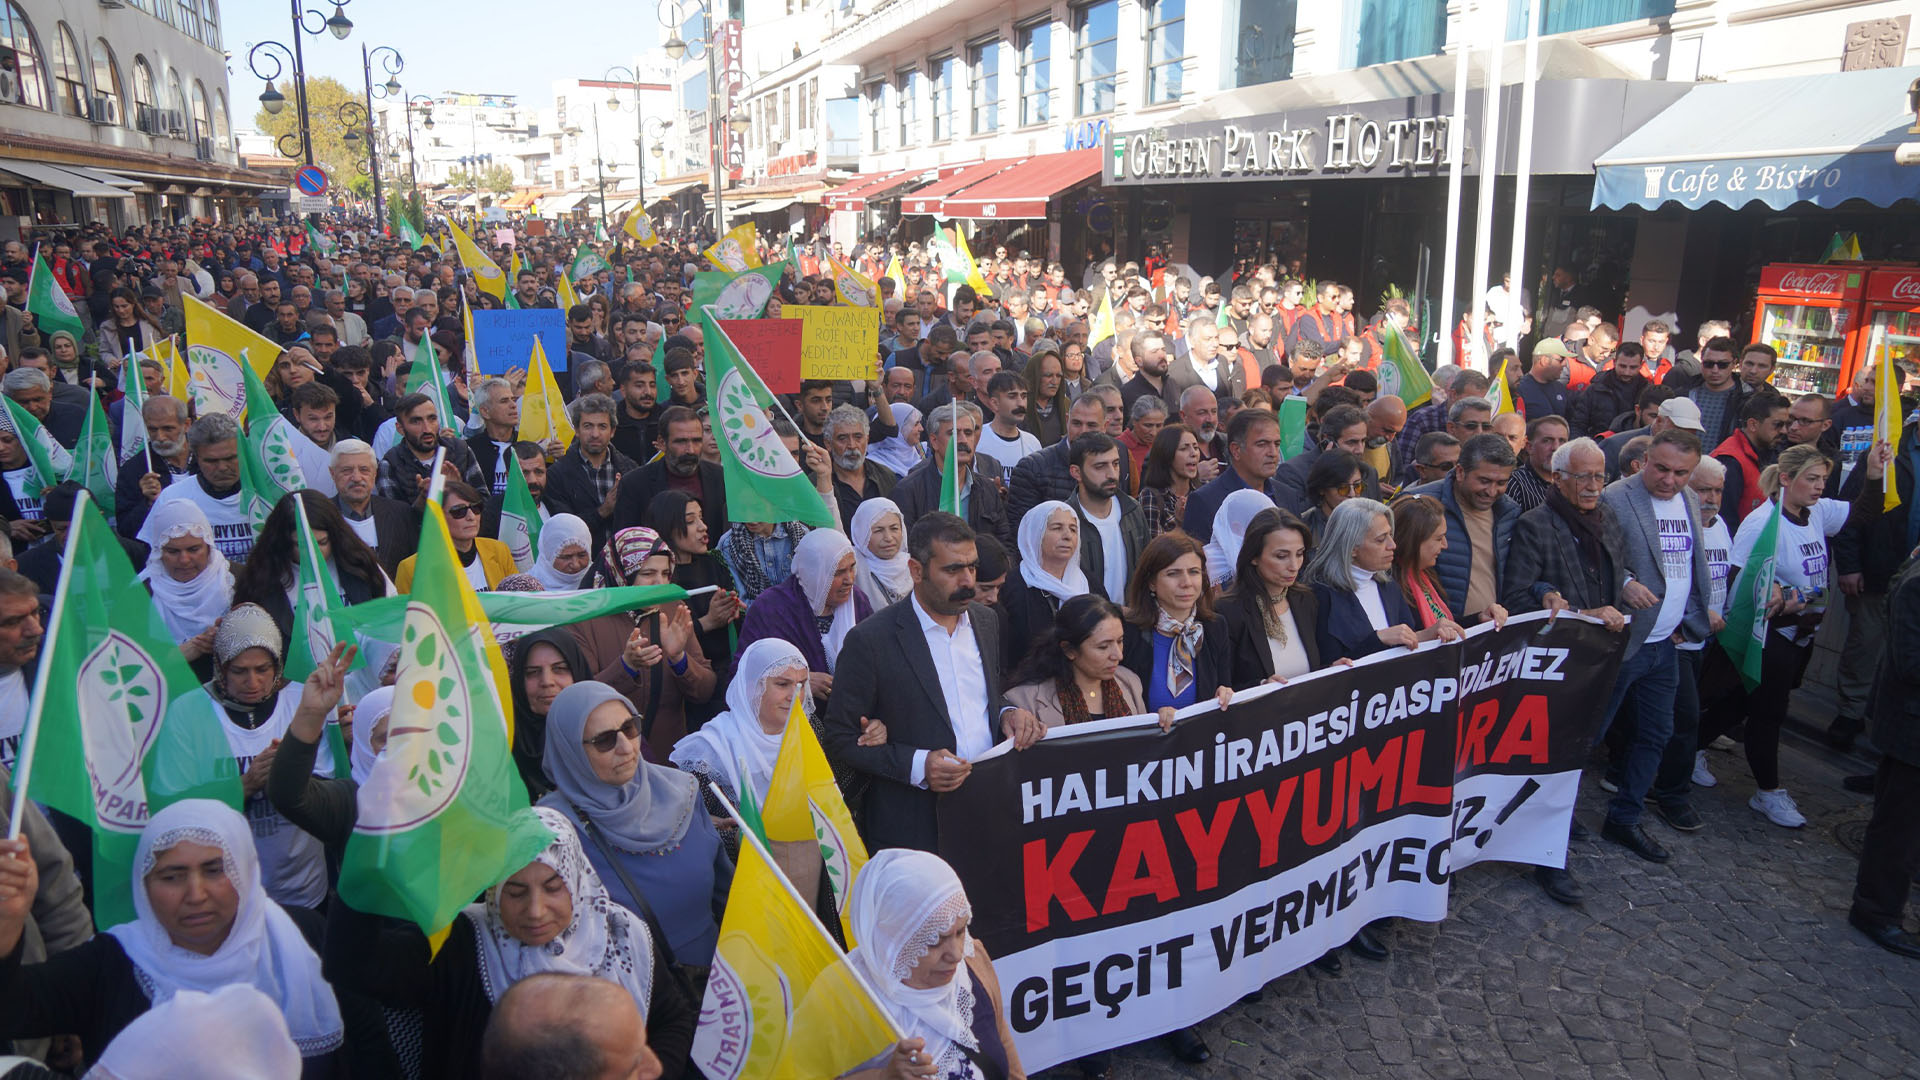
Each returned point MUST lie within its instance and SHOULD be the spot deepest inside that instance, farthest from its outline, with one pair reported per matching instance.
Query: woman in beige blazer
(1073, 673)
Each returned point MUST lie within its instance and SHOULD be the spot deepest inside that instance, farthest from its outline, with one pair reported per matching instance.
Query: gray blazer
(1640, 555)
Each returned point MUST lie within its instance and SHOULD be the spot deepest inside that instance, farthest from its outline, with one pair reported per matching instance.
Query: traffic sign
(310, 179)
(315, 204)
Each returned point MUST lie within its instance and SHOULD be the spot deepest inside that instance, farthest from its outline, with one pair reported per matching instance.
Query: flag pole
(437, 483)
(30, 738)
(1456, 180)
(747, 837)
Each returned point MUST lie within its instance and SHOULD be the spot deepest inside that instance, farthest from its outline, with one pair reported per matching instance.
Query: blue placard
(504, 339)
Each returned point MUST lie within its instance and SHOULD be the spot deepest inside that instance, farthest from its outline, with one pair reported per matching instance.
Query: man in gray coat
(1667, 588)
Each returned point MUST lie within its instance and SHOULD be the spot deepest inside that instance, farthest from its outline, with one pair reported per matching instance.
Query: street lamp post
(425, 105)
(354, 119)
(642, 123)
(391, 63)
(599, 171)
(271, 99)
(671, 14)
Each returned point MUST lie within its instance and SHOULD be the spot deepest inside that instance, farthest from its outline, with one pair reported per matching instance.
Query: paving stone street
(1733, 960)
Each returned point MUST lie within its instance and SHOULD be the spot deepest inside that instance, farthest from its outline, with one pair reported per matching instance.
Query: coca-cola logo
(1905, 288)
(1810, 281)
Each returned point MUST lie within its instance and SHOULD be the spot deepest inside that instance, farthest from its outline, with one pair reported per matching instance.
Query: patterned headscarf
(627, 550)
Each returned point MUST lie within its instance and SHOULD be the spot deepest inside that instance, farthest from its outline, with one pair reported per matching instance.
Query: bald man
(1385, 417)
(567, 1027)
(1513, 428)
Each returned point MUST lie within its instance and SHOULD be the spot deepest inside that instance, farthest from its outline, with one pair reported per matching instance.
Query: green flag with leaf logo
(519, 515)
(764, 483)
(586, 263)
(1744, 637)
(119, 726)
(737, 296)
(1401, 373)
(425, 377)
(96, 464)
(269, 461)
(49, 460)
(49, 304)
(315, 598)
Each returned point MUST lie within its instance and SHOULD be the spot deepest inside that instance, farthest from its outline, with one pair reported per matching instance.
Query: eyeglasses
(1476, 425)
(1355, 488)
(464, 510)
(1586, 479)
(604, 742)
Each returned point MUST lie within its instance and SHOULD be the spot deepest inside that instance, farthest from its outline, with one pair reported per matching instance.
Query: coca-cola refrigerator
(1892, 318)
(1811, 315)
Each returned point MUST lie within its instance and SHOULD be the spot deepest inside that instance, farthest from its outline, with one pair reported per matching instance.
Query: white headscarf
(894, 451)
(561, 532)
(883, 580)
(187, 607)
(263, 950)
(603, 940)
(367, 712)
(1032, 527)
(814, 559)
(904, 902)
(234, 1033)
(1229, 529)
(732, 747)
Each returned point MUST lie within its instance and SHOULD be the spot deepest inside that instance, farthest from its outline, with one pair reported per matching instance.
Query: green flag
(436, 818)
(1400, 372)
(512, 615)
(737, 296)
(425, 377)
(1293, 427)
(133, 419)
(47, 302)
(269, 461)
(316, 596)
(96, 464)
(586, 263)
(1744, 637)
(519, 516)
(763, 481)
(119, 726)
(950, 469)
(50, 461)
(1225, 317)
(321, 241)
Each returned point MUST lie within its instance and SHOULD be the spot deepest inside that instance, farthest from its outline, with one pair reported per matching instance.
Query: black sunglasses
(603, 743)
(1716, 363)
(463, 511)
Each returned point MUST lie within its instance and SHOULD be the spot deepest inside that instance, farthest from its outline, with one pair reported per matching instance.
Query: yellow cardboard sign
(836, 342)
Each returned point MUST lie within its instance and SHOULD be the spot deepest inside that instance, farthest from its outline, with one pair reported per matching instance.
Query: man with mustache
(162, 461)
(678, 468)
(1005, 441)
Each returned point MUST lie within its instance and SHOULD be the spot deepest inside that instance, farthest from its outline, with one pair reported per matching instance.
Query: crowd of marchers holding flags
(286, 808)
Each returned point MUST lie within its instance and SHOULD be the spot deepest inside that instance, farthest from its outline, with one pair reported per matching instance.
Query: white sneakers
(1702, 776)
(1778, 807)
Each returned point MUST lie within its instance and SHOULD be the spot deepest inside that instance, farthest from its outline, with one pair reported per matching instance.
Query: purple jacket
(783, 612)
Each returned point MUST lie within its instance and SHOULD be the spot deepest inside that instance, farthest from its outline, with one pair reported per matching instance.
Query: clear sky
(487, 46)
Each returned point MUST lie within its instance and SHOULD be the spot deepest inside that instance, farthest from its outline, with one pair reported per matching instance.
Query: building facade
(116, 111)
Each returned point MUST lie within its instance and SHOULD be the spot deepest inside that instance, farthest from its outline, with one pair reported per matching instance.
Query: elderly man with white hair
(387, 526)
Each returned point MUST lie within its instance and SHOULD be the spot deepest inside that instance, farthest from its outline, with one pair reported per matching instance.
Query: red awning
(853, 195)
(930, 199)
(1022, 190)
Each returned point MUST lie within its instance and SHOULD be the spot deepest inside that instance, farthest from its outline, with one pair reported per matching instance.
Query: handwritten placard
(504, 339)
(838, 342)
(772, 347)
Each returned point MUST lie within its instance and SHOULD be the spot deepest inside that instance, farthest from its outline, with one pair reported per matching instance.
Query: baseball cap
(1684, 414)
(1550, 347)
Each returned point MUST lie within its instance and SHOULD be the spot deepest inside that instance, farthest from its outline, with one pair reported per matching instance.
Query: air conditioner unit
(9, 87)
(146, 118)
(203, 149)
(101, 110)
(176, 122)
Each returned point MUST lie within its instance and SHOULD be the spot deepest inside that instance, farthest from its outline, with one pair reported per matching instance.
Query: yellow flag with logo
(854, 288)
(543, 412)
(737, 251)
(1102, 327)
(639, 226)
(216, 347)
(175, 363)
(563, 293)
(487, 275)
(974, 277)
(781, 1001)
(803, 803)
(1886, 423)
(1500, 392)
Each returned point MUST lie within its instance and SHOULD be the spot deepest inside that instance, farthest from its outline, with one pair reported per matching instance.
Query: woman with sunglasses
(642, 826)
(1335, 477)
(486, 561)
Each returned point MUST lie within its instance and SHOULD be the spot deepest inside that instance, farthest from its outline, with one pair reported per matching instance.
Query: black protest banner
(1129, 882)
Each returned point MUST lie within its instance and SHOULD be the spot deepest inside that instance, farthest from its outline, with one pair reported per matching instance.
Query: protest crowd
(1027, 499)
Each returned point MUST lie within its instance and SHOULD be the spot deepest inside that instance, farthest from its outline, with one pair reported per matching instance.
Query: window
(17, 34)
(145, 98)
(106, 79)
(907, 101)
(1096, 49)
(1391, 30)
(985, 62)
(877, 115)
(163, 10)
(189, 18)
(202, 112)
(1036, 49)
(222, 128)
(1566, 16)
(69, 82)
(211, 18)
(1265, 50)
(942, 97)
(1166, 48)
(693, 92)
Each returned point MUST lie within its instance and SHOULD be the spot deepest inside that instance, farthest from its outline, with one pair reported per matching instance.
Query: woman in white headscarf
(552, 914)
(233, 1033)
(566, 553)
(879, 536)
(901, 450)
(737, 748)
(201, 922)
(910, 917)
(814, 608)
(1050, 575)
(191, 581)
(1229, 528)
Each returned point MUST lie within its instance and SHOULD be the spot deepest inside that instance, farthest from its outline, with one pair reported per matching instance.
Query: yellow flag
(782, 1002)
(737, 251)
(1886, 422)
(974, 277)
(564, 294)
(543, 412)
(803, 803)
(486, 272)
(639, 226)
(175, 364)
(1499, 392)
(216, 347)
(1102, 327)
(472, 349)
(854, 288)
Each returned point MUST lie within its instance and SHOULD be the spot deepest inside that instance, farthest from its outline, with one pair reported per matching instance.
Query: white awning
(563, 203)
(52, 176)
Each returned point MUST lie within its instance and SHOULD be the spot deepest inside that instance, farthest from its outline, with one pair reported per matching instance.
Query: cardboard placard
(838, 342)
(772, 347)
(504, 339)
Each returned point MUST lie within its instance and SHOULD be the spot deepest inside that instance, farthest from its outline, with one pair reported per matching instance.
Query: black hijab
(529, 727)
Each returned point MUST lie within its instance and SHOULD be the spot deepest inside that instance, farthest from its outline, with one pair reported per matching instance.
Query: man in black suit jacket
(681, 435)
(396, 526)
(927, 744)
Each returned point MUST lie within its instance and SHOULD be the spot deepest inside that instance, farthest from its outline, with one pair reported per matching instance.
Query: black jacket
(396, 530)
(1876, 546)
(639, 486)
(1247, 635)
(1608, 395)
(1043, 476)
(1344, 629)
(918, 492)
(1133, 534)
(1212, 668)
(570, 490)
